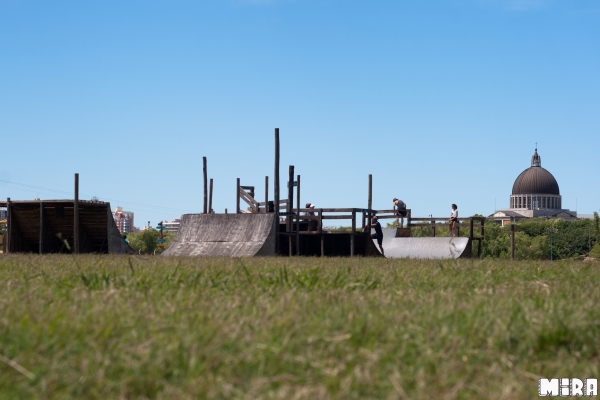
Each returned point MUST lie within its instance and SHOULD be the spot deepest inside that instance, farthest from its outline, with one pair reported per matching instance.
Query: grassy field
(150, 327)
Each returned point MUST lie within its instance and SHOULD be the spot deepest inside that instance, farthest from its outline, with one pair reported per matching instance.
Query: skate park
(281, 227)
(274, 226)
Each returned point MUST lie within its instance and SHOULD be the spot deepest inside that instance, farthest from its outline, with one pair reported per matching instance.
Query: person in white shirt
(453, 221)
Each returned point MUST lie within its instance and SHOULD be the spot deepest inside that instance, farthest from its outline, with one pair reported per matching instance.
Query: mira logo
(568, 387)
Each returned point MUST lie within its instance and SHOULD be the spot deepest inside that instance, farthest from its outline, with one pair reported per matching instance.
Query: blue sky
(442, 101)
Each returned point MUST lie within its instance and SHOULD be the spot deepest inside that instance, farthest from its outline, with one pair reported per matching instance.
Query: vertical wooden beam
(237, 196)
(290, 207)
(370, 203)
(482, 228)
(276, 190)
(298, 217)
(432, 227)
(321, 232)
(41, 249)
(210, 197)
(290, 203)
(512, 241)
(8, 224)
(266, 194)
(205, 205)
(471, 229)
(352, 234)
(364, 218)
(76, 217)
(409, 218)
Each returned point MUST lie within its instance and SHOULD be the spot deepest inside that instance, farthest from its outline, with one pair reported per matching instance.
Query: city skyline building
(124, 220)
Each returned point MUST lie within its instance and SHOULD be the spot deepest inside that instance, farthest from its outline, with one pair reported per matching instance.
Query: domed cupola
(535, 188)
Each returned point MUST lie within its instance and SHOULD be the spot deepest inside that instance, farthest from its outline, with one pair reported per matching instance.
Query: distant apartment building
(172, 226)
(123, 220)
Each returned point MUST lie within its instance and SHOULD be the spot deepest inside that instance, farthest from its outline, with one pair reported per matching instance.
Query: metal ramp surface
(424, 247)
(233, 235)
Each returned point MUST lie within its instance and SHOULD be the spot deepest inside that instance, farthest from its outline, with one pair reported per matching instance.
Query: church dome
(535, 180)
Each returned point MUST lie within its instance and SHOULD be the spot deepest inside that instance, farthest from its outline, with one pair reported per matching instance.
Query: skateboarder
(312, 223)
(378, 233)
(400, 211)
(453, 221)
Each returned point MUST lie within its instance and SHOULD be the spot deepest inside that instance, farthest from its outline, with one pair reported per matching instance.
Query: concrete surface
(424, 247)
(232, 235)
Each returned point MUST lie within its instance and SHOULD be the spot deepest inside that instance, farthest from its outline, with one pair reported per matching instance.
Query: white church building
(535, 193)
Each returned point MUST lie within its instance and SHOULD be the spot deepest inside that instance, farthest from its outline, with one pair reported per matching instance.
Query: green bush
(595, 252)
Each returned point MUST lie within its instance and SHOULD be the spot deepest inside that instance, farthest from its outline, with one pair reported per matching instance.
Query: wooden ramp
(47, 226)
(233, 235)
(425, 247)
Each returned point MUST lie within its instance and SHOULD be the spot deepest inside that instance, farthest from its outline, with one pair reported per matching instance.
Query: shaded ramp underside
(424, 247)
(224, 235)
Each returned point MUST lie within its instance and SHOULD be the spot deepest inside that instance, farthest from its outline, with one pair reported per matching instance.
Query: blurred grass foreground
(150, 327)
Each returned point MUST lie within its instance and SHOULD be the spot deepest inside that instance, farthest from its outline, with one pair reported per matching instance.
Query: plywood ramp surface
(232, 235)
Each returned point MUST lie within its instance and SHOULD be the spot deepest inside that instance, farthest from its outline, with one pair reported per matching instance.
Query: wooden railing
(352, 214)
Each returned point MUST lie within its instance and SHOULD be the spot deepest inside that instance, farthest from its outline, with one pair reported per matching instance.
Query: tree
(145, 241)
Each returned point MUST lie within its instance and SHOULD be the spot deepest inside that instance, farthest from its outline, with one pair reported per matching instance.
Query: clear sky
(442, 101)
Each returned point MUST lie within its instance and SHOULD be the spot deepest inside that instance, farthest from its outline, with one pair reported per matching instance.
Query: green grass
(150, 327)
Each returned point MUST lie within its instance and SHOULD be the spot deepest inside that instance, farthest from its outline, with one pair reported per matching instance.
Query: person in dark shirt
(400, 211)
(378, 233)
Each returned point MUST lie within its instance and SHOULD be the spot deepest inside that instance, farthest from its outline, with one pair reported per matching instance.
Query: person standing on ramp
(400, 211)
(453, 221)
(378, 233)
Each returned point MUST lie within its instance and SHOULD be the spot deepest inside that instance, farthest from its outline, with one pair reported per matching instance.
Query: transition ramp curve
(232, 235)
(425, 247)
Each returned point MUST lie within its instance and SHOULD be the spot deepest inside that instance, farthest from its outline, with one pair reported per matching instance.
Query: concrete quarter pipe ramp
(424, 247)
(233, 235)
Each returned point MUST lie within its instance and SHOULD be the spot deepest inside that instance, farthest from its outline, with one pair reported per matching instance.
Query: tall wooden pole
(352, 234)
(41, 249)
(266, 194)
(8, 224)
(276, 190)
(204, 208)
(210, 197)
(321, 232)
(370, 205)
(298, 217)
(290, 207)
(237, 197)
(76, 217)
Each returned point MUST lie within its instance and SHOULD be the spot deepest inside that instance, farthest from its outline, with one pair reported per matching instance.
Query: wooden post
(352, 234)
(512, 241)
(482, 228)
(471, 229)
(210, 197)
(76, 217)
(205, 205)
(409, 218)
(237, 197)
(8, 225)
(298, 216)
(266, 194)
(41, 249)
(370, 204)
(276, 190)
(225, 211)
(432, 227)
(364, 219)
(321, 232)
(290, 207)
